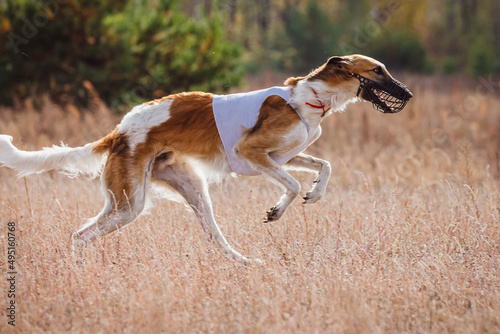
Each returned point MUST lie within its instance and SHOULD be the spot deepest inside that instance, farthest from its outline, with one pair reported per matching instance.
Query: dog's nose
(400, 90)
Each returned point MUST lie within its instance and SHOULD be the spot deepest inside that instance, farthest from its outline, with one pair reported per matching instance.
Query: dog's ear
(292, 81)
(336, 68)
(338, 61)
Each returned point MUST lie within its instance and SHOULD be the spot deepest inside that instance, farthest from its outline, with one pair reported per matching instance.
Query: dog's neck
(313, 98)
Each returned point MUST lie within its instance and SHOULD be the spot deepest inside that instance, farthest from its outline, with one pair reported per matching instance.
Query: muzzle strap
(389, 98)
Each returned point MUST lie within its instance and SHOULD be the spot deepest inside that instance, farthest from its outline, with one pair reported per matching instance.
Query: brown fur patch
(293, 81)
(104, 144)
(334, 72)
(276, 118)
(364, 65)
(190, 130)
(341, 67)
(117, 172)
(191, 127)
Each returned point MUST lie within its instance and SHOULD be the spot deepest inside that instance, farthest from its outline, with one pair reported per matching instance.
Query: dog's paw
(272, 214)
(314, 194)
(310, 198)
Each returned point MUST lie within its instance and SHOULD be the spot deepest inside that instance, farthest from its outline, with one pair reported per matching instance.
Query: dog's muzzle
(388, 98)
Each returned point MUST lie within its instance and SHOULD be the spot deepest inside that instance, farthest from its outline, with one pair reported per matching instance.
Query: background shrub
(128, 50)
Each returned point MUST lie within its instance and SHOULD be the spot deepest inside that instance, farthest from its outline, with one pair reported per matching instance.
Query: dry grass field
(406, 239)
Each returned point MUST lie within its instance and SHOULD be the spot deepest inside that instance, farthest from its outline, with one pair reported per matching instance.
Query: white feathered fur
(72, 161)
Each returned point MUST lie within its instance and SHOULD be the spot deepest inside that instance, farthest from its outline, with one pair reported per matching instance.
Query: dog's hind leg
(107, 221)
(193, 188)
(113, 216)
(125, 197)
(310, 163)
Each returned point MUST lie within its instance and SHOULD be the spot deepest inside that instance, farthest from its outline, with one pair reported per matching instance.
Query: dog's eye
(378, 70)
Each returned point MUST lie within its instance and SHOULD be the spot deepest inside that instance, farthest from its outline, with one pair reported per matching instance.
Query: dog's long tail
(87, 160)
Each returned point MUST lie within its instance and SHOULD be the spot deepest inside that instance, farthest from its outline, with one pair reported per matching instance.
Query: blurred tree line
(442, 36)
(129, 50)
(126, 50)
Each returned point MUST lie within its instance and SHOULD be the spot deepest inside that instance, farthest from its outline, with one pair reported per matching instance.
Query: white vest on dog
(235, 113)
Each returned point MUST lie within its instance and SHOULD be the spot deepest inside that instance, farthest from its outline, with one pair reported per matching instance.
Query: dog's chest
(234, 113)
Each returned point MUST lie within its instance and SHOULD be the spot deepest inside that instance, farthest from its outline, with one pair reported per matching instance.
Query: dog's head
(365, 77)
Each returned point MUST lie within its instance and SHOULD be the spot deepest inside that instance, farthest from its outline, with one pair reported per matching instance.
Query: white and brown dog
(184, 141)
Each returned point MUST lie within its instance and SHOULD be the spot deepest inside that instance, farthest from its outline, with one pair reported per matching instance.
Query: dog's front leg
(322, 167)
(292, 190)
(261, 161)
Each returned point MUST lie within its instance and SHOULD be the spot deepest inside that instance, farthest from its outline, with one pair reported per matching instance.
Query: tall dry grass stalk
(406, 239)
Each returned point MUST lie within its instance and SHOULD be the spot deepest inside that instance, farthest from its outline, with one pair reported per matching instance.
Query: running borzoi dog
(184, 141)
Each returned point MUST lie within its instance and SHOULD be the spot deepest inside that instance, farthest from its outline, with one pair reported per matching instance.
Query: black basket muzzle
(390, 97)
